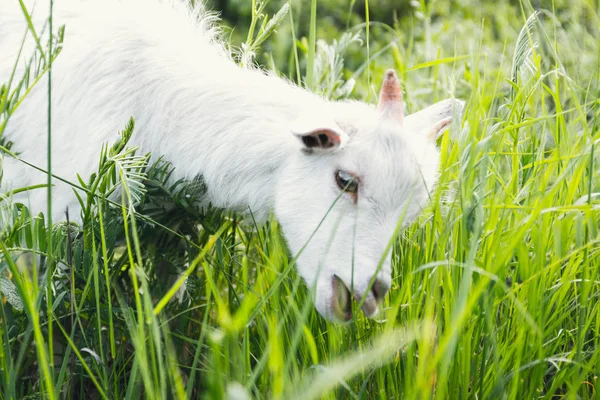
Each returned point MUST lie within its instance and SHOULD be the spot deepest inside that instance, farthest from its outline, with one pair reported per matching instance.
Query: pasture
(495, 289)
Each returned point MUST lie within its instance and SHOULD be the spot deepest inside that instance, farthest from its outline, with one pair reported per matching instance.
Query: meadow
(495, 287)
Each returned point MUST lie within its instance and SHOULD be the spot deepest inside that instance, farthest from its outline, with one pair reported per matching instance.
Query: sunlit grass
(495, 291)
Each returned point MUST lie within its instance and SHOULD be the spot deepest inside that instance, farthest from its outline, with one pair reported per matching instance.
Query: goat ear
(321, 133)
(432, 120)
(321, 138)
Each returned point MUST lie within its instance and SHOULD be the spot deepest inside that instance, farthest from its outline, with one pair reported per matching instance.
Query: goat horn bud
(390, 98)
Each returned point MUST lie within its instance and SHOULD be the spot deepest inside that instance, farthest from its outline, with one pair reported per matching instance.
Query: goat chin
(341, 177)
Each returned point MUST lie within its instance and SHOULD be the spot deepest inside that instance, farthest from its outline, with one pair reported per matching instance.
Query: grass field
(496, 286)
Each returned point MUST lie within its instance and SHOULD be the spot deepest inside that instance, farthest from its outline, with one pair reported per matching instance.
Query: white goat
(258, 141)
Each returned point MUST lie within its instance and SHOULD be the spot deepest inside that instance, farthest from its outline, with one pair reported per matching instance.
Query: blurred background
(404, 34)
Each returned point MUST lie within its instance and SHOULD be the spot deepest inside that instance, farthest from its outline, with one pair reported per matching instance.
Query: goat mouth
(370, 305)
(341, 301)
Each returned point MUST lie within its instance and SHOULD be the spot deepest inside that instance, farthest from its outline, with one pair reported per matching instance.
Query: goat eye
(346, 181)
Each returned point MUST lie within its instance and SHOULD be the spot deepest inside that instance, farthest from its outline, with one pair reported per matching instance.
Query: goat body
(161, 64)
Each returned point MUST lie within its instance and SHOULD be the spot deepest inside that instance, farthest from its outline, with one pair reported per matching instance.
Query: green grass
(496, 286)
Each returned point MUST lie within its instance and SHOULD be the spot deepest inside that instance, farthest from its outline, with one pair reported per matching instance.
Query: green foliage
(496, 286)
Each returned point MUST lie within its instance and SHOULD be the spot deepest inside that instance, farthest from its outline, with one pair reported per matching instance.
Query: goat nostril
(341, 301)
(379, 289)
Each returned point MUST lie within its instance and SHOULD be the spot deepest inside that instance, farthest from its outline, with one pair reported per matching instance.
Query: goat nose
(379, 289)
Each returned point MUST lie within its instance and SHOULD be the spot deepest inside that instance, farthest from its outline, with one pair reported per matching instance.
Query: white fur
(161, 63)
